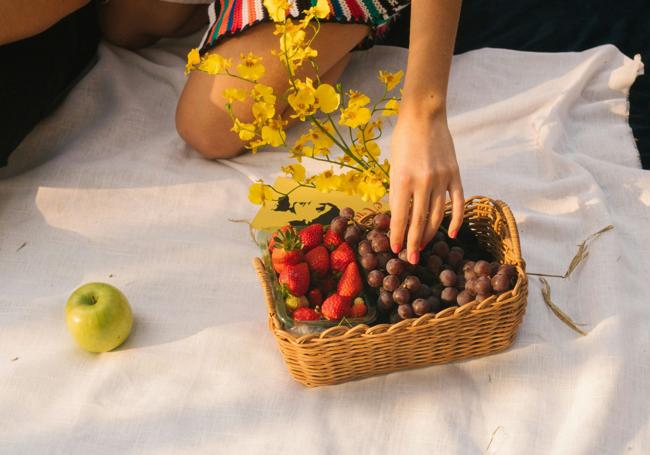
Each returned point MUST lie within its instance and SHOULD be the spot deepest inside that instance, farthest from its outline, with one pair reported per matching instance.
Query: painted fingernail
(397, 248)
(413, 258)
(453, 234)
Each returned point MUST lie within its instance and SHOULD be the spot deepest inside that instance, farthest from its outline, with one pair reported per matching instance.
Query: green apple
(99, 317)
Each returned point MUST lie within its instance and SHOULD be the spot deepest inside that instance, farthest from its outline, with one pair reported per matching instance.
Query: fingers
(436, 212)
(399, 199)
(457, 207)
(418, 221)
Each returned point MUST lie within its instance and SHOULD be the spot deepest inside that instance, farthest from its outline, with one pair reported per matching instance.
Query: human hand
(423, 170)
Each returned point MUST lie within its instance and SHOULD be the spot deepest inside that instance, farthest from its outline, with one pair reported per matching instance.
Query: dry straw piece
(341, 354)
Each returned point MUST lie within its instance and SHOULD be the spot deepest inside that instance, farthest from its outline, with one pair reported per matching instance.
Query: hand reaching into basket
(423, 161)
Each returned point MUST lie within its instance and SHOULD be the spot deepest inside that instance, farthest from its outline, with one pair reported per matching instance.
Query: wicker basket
(342, 354)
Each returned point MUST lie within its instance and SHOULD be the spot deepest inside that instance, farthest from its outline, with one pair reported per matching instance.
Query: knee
(212, 140)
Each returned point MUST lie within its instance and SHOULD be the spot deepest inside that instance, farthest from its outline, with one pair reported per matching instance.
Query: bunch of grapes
(443, 278)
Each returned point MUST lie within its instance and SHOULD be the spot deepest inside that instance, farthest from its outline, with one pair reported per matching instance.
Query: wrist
(430, 107)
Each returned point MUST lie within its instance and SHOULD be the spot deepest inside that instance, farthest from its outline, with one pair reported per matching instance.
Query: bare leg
(201, 118)
(138, 23)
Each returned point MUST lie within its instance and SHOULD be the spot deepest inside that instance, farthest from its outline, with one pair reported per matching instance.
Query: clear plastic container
(305, 327)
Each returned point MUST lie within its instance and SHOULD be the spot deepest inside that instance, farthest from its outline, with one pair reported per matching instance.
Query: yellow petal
(327, 98)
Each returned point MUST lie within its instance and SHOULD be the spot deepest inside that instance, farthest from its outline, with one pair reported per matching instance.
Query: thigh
(201, 108)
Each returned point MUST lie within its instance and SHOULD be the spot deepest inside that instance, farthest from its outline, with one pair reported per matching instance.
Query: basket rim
(515, 297)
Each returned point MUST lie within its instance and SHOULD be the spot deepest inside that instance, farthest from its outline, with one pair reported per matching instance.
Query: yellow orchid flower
(391, 108)
(250, 67)
(261, 92)
(357, 98)
(273, 132)
(245, 131)
(327, 181)
(232, 94)
(296, 171)
(277, 9)
(391, 79)
(215, 64)
(327, 99)
(193, 59)
(262, 111)
(354, 116)
(259, 193)
(302, 102)
(371, 188)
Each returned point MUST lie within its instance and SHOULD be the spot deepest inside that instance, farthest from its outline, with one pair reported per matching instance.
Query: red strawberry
(272, 240)
(311, 236)
(335, 307)
(327, 285)
(341, 257)
(331, 239)
(315, 297)
(350, 284)
(296, 278)
(305, 314)
(318, 260)
(358, 309)
(286, 249)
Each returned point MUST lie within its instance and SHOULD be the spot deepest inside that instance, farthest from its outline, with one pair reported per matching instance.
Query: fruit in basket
(311, 236)
(306, 314)
(331, 239)
(287, 249)
(315, 297)
(98, 317)
(295, 277)
(293, 302)
(347, 212)
(375, 278)
(335, 307)
(341, 257)
(350, 284)
(272, 240)
(359, 308)
(318, 261)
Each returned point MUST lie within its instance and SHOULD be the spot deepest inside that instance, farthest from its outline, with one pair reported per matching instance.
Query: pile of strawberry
(318, 273)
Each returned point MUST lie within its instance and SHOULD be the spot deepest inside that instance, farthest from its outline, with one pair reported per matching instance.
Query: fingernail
(421, 247)
(397, 248)
(413, 257)
(453, 234)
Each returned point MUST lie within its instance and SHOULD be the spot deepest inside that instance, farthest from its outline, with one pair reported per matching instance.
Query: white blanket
(112, 194)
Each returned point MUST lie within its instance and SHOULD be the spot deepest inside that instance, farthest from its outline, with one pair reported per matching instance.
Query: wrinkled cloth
(105, 190)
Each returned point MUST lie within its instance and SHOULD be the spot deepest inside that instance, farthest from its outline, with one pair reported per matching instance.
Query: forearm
(433, 34)
(21, 19)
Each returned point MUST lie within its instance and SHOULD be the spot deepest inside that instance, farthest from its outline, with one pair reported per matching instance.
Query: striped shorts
(229, 17)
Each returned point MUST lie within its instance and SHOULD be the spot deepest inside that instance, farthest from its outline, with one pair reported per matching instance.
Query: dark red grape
(352, 235)
(405, 311)
(401, 296)
(441, 249)
(464, 297)
(369, 261)
(338, 225)
(394, 317)
(438, 237)
(454, 259)
(380, 243)
(375, 278)
(395, 266)
(508, 269)
(383, 258)
(483, 285)
(347, 212)
(457, 248)
(421, 306)
(480, 297)
(469, 274)
(364, 247)
(436, 289)
(385, 301)
(494, 268)
(403, 255)
(500, 282)
(374, 233)
(482, 268)
(470, 286)
(460, 282)
(436, 304)
(424, 291)
(381, 221)
(434, 264)
(449, 295)
(412, 283)
(391, 283)
(469, 265)
(448, 278)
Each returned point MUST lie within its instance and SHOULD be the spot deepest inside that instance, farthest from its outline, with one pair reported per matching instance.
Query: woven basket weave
(475, 329)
